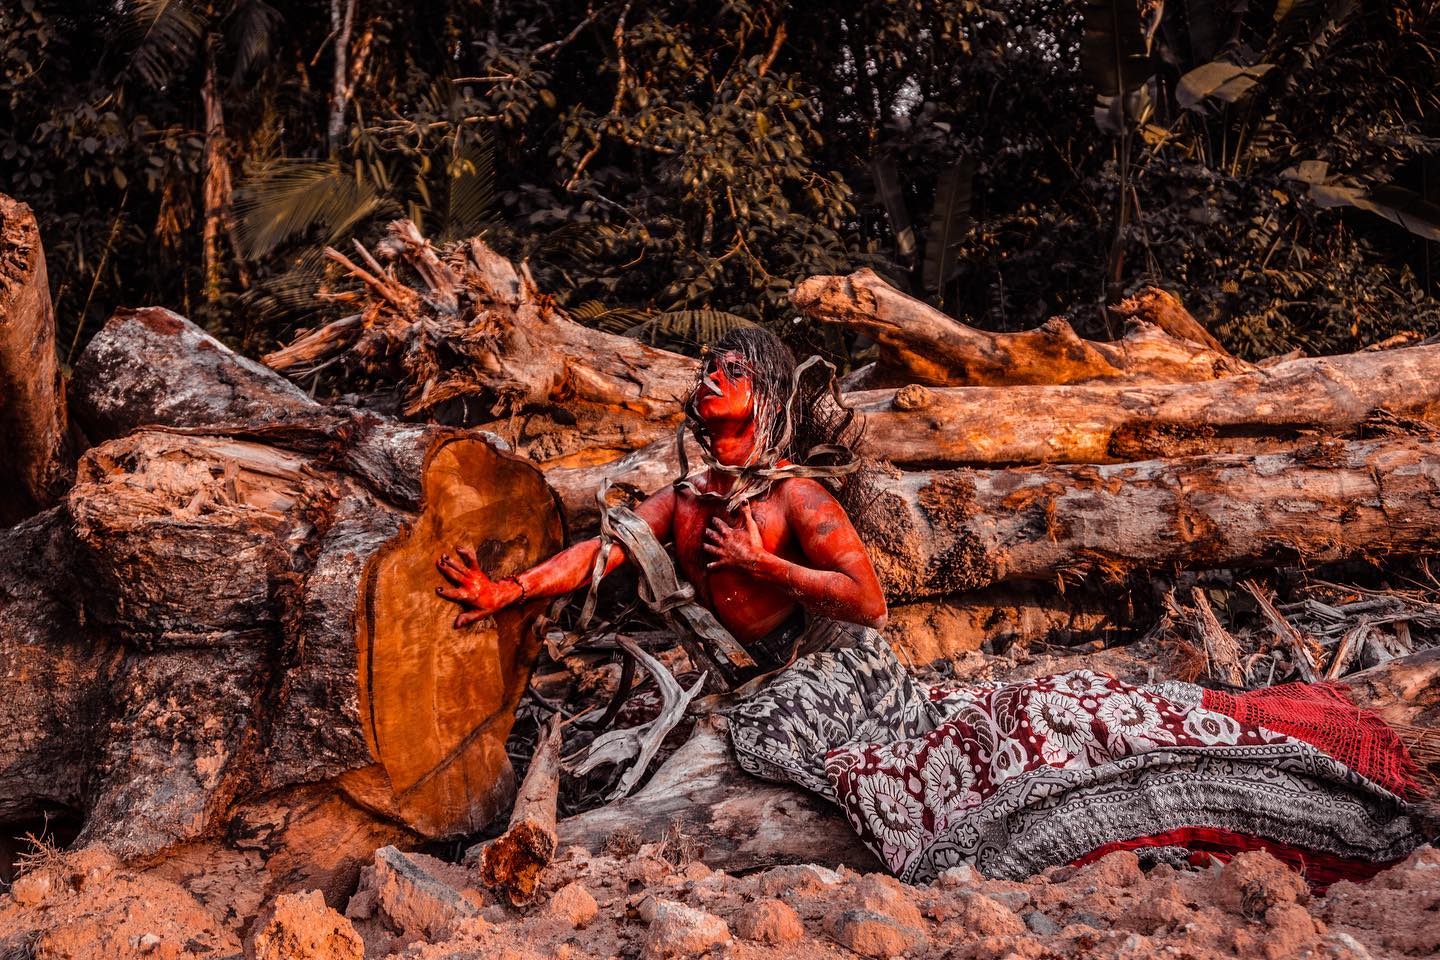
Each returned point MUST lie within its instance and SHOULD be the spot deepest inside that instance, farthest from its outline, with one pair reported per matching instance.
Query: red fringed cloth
(1323, 716)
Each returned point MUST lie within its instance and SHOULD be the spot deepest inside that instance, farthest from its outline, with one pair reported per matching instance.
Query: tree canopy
(672, 168)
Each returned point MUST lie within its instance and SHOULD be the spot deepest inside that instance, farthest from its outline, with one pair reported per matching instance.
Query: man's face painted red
(725, 394)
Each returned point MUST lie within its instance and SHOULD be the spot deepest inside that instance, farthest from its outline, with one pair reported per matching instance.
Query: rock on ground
(304, 928)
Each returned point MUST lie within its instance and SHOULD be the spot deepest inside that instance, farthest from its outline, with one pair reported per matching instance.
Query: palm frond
(250, 31)
(471, 192)
(593, 313)
(948, 219)
(169, 33)
(284, 199)
(687, 327)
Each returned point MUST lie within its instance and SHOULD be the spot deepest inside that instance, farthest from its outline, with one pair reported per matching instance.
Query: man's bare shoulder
(805, 492)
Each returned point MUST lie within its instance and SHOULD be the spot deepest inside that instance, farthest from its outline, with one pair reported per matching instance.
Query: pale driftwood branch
(642, 742)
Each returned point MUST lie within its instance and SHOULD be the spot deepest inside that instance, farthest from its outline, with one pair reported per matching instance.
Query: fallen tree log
(263, 659)
(919, 344)
(1263, 411)
(940, 532)
(482, 345)
(735, 821)
(33, 427)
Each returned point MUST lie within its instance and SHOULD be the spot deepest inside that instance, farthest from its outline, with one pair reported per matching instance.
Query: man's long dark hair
(822, 430)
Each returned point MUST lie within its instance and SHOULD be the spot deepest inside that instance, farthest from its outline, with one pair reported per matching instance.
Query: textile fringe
(1323, 715)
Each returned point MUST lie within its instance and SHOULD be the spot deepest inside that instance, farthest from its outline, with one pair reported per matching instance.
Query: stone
(1040, 924)
(681, 931)
(982, 916)
(573, 904)
(801, 880)
(769, 921)
(415, 901)
(32, 888)
(872, 934)
(883, 894)
(961, 876)
(1118, 869)
(1254, 881)
(304, 928)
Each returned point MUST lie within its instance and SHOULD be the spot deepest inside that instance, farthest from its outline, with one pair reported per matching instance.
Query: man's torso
(747, 606)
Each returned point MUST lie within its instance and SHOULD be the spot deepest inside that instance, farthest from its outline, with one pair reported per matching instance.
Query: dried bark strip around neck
(922, 345)
(32, 397)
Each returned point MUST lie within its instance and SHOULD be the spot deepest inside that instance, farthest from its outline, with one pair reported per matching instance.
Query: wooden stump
(33, 427)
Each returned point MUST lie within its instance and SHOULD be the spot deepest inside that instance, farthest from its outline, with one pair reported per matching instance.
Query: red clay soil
(646, 906)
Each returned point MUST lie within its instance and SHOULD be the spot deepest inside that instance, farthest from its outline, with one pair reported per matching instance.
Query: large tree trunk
(260, 656)
(919, 344)
(1263, 411)
(941, 532)
(32, 395)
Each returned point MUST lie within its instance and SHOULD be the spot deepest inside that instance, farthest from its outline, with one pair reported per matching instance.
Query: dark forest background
(671, 168)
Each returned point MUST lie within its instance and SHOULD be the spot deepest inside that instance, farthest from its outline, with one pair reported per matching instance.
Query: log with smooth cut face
(436, 702)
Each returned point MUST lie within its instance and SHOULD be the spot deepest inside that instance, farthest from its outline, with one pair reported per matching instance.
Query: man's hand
(735, 548)
(472, 589)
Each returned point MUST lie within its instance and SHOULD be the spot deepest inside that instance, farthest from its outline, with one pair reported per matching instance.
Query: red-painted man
(761, 546)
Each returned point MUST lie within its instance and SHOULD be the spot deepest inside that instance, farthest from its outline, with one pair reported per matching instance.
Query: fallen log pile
(229, 637)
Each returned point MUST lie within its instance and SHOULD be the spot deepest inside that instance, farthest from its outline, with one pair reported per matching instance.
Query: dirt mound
(86, 905)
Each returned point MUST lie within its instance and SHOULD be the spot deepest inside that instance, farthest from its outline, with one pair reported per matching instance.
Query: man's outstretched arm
(567, 570)
(840, 582)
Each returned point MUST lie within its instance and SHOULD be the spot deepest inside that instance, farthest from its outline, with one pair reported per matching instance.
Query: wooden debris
(1302, 649)
(640, 743)
(1222, 653)
(511, 863)
(920, 344)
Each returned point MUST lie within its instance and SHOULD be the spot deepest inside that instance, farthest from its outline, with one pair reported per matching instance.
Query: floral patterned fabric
(1019, 776)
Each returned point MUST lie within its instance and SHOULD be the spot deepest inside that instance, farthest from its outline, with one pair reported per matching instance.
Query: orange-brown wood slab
(437, 703)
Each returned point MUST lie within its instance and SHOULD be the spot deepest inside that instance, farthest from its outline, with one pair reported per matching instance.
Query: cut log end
(437, 703)
(512, 863)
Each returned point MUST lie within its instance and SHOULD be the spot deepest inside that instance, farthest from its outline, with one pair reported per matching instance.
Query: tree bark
(940, 532)
(32, 395)
(737, 821)
(153, 367)
(919, 344)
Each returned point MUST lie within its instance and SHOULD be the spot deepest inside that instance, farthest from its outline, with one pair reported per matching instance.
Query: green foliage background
(671, 168)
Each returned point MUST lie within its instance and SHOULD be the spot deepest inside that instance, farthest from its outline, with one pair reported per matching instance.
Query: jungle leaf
(1218, 80)
(892, 197)
(1396, 204)
(948, 220)
(1113, 53)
